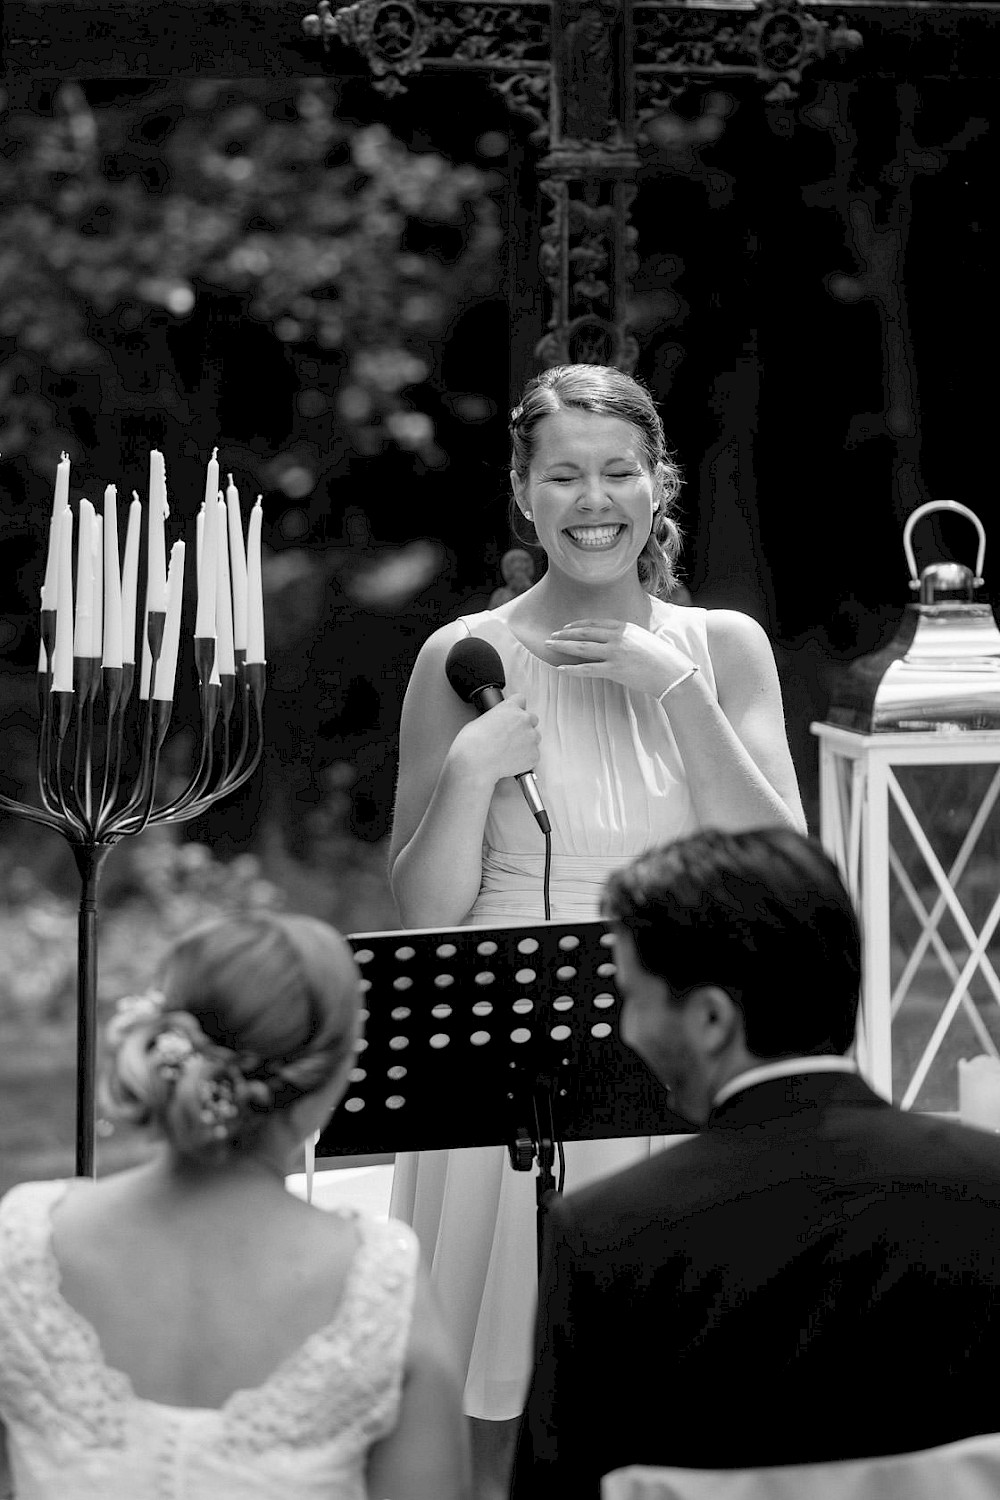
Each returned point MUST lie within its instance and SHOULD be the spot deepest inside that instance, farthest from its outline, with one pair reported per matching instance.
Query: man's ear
(716, 1018)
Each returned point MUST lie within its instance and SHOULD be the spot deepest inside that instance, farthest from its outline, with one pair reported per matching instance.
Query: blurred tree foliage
(340, 238)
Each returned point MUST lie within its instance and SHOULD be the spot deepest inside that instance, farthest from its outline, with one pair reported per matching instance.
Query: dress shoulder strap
(472, 623)
(687, 626)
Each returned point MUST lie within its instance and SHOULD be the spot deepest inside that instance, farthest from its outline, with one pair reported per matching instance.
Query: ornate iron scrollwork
(774, 43)
(400, 38)
(586, 73)
(588, 259)
(391, 35)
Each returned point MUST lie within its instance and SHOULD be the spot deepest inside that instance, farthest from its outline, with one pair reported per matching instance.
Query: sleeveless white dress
(613, 784)
(77, 1431)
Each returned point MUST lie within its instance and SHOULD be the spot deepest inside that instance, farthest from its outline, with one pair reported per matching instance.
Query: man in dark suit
(813, 1276)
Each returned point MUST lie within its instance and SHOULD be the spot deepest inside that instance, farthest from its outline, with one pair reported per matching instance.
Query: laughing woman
(644, 721)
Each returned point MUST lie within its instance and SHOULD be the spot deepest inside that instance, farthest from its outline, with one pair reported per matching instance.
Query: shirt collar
(784, 1067)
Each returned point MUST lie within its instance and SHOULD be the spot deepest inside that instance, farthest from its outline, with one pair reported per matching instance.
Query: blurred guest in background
(643, 719)
(518, 573)
(815, 1276)
(188, 1326)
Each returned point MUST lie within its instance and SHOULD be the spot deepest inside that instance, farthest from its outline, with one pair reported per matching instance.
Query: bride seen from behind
(189, 1322)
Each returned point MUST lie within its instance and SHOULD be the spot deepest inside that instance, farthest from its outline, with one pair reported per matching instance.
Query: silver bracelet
(688, 672)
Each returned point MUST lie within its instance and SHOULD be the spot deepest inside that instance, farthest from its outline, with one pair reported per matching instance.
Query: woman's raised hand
(504, 741)
(623, 652)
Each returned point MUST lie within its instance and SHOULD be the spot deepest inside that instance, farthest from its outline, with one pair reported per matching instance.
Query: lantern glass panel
(945, 994)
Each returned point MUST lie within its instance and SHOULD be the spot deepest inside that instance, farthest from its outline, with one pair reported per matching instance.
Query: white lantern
(909, 785)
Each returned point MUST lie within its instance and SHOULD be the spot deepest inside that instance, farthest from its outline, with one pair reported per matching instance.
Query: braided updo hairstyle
(606, 392)
(256, 1011)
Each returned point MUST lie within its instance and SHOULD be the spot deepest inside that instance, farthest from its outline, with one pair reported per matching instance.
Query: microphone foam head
(473, 664)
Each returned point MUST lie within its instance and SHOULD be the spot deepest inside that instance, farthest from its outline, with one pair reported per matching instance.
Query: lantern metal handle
(923, 510)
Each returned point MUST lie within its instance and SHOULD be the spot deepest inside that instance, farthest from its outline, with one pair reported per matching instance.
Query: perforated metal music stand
(480, 1036)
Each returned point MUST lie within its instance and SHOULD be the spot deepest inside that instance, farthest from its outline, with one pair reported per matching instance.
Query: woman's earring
(527, 515)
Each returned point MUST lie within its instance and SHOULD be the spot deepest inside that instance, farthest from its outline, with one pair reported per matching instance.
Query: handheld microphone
(475, 671)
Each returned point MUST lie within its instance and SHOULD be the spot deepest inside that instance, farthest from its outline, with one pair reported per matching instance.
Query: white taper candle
(97, 598)
(166, 667)
(223, 600)
(112, 653)
(156, 585)
(238, 566)
(208, 572)
(83, 629)
(50, 587)
(130, 579)
(62, 656)
(255, 587)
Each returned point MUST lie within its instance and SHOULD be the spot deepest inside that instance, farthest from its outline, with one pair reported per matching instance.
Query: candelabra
(99, 751)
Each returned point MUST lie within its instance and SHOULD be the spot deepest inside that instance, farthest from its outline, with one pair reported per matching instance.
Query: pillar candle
(166, 667)
(130, 579)
(238, 566)
(62, 656)
(97, 587)
(255, 589)
(223, 599)
(84, 580)
(979, 1092)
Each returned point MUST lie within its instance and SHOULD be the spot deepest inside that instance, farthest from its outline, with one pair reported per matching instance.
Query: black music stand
(479, 1036)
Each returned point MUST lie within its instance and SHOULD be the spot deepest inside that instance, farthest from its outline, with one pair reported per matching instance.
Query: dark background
(761, 338)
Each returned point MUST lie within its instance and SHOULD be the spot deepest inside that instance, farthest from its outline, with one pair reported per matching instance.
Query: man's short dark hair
(765, 916)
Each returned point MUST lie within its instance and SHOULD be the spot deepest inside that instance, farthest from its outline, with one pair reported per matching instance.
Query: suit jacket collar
(794, 1096)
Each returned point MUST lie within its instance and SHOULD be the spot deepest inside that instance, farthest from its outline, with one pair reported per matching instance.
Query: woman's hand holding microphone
(504, 741)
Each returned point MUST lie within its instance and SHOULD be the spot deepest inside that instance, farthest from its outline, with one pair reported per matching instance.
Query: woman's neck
(173, 1173)
(556, 600)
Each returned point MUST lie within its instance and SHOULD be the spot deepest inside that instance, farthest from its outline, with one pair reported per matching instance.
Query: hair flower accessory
(133, 1010)
(169, 1051)
(217, 1097)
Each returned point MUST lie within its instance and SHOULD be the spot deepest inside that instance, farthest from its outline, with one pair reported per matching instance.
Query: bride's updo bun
(255, 1012)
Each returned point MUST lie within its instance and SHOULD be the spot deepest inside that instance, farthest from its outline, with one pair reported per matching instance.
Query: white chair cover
(966, 1470)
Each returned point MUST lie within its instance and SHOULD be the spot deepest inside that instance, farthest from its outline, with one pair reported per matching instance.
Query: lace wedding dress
(76, 1430)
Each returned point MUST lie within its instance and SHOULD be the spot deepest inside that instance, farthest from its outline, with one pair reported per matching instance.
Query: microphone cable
(546, 873)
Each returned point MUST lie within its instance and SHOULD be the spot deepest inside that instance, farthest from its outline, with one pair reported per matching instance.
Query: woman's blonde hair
(606, 392)
(255, 1011)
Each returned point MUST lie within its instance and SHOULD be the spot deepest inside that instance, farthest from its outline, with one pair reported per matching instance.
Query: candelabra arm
(61, 713)
(43, 682)
(136, 815)
(202, 804)
(195, 790)
(189, 806)
(34, 814)
(113, 684)
(85, 670)
(89, 859)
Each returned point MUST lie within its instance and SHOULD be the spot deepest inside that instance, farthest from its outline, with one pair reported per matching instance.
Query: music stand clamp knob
(522, 1151)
